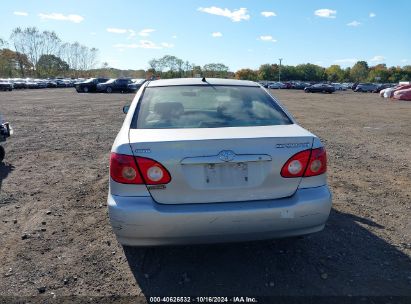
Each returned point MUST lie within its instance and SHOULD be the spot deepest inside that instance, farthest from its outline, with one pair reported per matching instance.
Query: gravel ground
(55, 238)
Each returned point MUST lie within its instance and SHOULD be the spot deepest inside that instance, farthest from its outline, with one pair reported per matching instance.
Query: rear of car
(216, 160)
(117, 85)
(6, 85)
(320, 88)
(403, 94)
(89, 85)
(365, 87)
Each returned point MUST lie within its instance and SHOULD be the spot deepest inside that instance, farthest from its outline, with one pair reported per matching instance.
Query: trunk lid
(211, 165)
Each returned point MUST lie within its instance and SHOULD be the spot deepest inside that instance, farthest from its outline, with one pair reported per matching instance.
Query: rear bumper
(139, 221)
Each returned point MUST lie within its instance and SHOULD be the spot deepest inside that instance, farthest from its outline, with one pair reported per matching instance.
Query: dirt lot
(55, 236)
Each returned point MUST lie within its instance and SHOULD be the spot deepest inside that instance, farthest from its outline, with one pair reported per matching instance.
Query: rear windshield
(177, 107)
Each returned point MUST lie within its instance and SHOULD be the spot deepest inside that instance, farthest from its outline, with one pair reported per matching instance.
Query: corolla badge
(293, 145)
(226, 155)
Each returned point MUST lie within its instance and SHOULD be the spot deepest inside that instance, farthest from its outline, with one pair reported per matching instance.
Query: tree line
(171, 66)
(360, 72)
(34, 53)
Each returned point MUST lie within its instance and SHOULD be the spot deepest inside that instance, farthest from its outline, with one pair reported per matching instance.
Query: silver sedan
(214, 160)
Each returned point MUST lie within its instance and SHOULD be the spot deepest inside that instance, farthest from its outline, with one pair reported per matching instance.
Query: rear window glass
(177, 107)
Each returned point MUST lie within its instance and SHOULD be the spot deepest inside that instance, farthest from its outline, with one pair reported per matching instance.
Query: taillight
(127, 169)
(295, 166)
(306, 163)
(153, 172)
(318, 162)
(123, 169)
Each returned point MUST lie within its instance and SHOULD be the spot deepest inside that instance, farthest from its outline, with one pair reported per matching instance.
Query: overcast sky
(240, 34)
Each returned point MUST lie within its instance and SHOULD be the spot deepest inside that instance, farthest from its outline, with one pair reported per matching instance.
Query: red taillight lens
(306, 163)
(123, 169)
(153, 172)
(295, 166)
(318, 162)
(127, 169)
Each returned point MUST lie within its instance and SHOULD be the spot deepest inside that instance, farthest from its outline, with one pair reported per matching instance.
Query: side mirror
(125, 109)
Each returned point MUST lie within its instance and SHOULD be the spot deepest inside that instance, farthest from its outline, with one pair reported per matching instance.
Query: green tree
(215, 70)
(359, 72)
(378, 73)
(268, 72)
(289, 72)
(398, 74)
(246, 74)
(334, 73)
(310, 72)
(51, 65)
(14, 64)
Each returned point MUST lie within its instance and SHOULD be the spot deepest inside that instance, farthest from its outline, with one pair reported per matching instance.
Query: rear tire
(85, 90)
(2, 153)
(109, 90)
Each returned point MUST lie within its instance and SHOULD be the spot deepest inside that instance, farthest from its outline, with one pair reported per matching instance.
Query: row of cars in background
(309, 87)
(371, 87)
(401, 91)
(106, 85)
(82, 85)
(11, 84)
(301, 85)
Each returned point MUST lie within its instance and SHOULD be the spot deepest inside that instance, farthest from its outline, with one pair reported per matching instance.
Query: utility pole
(279, 70)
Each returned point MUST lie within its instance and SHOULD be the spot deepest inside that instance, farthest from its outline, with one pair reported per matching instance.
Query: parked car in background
(89, 85)
(403, 94)
(139, 81)
(51, 83)
(389, 92)
(381, 87)
(31, 84)
(348, 85)
(6, 85)
(244, 169)
(41, 84)
(61, 83)
(319, 88)
(136, 84)
(339, 87)
(19, 83)
(117, 85)
(365, 87)
(264, 84)
(277, 85)
(299, 85)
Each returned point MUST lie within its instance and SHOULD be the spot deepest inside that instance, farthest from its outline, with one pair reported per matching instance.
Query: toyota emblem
(226, 155)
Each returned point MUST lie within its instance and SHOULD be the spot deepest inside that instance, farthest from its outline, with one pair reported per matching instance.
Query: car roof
(198, 81)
